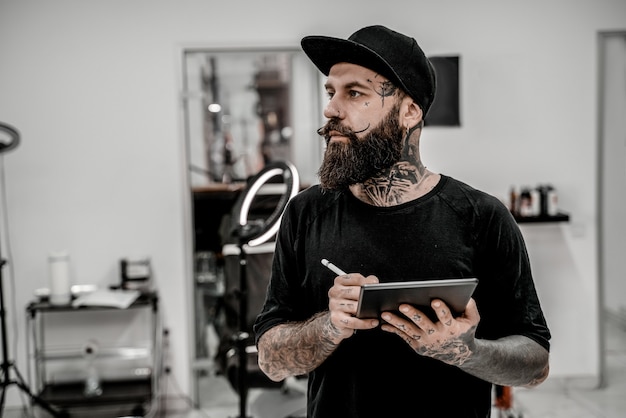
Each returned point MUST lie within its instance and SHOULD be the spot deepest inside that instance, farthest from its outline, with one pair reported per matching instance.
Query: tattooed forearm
(296, 348)
(453, 352)
(510, 361)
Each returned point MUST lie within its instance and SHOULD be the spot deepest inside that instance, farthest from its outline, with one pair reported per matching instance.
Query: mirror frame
(306, 98)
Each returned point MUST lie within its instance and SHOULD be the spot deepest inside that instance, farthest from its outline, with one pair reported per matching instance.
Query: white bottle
(535, 202)
(553, 203)
(92, 382)
(59, 276)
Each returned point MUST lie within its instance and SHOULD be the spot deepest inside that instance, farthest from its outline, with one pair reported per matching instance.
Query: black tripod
(7, 366)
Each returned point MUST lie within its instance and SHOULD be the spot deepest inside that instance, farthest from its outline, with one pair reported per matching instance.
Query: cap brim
(325, 51)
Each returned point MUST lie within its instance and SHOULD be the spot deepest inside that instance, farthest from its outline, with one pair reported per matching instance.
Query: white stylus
(334, 268)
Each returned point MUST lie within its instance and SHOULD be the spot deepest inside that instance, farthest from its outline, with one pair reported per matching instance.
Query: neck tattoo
(402, 184)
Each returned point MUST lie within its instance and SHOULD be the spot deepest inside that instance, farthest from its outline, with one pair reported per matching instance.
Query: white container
(59, 277)
(535, 203)
(553, 203)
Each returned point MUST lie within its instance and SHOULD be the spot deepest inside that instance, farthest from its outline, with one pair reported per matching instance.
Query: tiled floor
(574, 398)
(555, 398)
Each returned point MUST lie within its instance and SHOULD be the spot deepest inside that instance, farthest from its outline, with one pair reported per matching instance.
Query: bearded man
(380, 215)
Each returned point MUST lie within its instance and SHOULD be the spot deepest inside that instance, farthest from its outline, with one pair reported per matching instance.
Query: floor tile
(555, 398)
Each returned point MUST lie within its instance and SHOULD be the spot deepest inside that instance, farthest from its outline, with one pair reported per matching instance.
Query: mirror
(243, 109)
(246, 108)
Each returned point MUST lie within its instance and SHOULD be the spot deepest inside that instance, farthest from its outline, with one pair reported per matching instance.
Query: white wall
(93, 89)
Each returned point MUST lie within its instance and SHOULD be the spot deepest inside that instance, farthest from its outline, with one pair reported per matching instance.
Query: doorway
(611, 186)
(242, 109)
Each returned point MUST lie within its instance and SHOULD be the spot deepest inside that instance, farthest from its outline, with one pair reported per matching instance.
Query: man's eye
(330, 94)
(354, 93)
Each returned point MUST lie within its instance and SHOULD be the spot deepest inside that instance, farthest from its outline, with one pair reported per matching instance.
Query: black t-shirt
(454, 231)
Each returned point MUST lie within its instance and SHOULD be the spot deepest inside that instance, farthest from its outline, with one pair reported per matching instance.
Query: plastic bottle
(92, 382)
(552, 202)
(525, 208)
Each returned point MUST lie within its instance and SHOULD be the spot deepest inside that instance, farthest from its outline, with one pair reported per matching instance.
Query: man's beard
(354, 162)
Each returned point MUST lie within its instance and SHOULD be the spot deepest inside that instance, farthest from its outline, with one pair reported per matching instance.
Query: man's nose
(332, 110)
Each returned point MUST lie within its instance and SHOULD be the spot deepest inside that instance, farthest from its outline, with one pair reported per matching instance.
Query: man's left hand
(449, 339)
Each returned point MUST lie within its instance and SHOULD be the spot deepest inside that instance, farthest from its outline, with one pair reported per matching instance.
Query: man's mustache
(333, 125)
(336, 126)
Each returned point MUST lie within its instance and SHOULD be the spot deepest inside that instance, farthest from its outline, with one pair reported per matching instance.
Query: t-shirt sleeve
(508, 300)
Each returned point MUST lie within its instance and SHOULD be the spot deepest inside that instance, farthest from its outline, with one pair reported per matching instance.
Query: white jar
(59, 277)
(553, 203)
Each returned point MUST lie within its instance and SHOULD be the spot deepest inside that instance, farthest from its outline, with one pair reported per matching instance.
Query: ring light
(14, 135)
(269, 227)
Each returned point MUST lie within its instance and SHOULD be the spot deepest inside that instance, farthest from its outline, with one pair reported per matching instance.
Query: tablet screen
(378, 297)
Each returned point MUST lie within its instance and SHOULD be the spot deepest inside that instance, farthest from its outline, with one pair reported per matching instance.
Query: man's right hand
(342, 303)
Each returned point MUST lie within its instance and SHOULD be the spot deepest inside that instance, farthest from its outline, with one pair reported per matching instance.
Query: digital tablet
(378, 297)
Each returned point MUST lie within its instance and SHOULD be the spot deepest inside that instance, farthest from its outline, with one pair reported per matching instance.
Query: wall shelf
(559, 217)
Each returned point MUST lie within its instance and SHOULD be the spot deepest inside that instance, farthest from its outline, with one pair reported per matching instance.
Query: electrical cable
(164, 372)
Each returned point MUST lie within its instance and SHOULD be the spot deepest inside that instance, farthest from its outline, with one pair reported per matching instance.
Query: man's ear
(411, 114)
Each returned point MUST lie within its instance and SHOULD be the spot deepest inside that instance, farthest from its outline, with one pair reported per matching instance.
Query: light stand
(252, 233)
(7, 365)
(241, 338)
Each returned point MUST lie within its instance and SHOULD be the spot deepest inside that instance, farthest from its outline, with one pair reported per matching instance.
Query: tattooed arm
(296, 348)
(510, 361)
(515, 360)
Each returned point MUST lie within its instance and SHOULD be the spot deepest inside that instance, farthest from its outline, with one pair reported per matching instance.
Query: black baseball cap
(392, 54)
